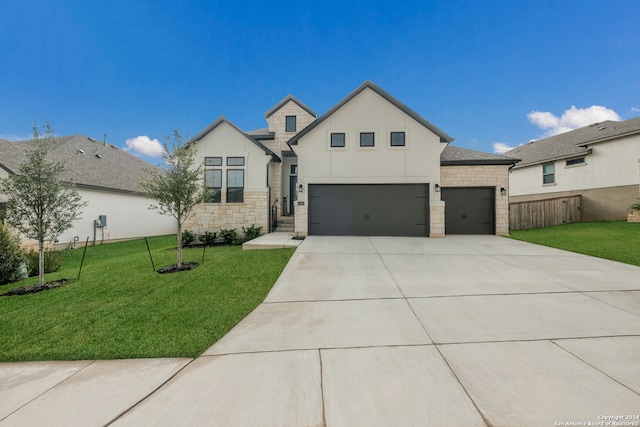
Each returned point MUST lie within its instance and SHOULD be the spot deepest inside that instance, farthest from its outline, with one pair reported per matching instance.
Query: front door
(293, 193)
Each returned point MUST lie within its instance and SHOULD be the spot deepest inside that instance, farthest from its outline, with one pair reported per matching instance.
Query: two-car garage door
(396, 210)
(369, 209)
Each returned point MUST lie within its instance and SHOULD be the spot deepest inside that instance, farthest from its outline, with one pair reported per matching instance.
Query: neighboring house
(368, 166)
(108, 179)
(599, 162)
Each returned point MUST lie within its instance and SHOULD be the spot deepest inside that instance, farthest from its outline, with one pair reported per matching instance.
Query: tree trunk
(41, 262)
(179, 245)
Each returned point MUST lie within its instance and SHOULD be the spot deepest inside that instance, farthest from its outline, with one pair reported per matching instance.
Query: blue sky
(487, 73)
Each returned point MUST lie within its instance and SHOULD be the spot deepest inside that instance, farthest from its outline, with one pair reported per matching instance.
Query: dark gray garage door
(368, 210)
(469, 210)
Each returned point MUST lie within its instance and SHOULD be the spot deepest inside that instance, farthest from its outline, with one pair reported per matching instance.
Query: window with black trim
(576, 161)
(337, 140)
(235, 161)
(235, 186)
(398, 139)
(290, 123)
(213, 161)
(367, 139)
(294, 169)
(549, 173)
(213, 185)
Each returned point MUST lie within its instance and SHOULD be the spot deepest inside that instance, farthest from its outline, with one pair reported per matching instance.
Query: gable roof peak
(222, 119)
(368, 84)
(286, 99)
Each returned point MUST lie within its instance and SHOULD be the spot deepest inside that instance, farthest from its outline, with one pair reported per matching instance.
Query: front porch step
(285, 224)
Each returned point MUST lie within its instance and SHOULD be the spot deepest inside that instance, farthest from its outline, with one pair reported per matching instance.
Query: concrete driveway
(382, 331)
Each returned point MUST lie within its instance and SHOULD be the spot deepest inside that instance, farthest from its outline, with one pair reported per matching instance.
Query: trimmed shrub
(208, 238)
(11, 256)
(252, 232)
(228, 236)
(188, 238)
(52, 261)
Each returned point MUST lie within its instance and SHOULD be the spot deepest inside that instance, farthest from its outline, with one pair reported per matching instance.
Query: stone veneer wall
(496, 176)
(216, 216)
(277, 124)
(436, 220)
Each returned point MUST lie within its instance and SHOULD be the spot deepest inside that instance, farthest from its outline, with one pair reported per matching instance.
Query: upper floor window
(576, 161)
(549, 173)
(235, 161)
(213, 161)
(337, 140)
(397, 139)
(367, 139)
(290, 125)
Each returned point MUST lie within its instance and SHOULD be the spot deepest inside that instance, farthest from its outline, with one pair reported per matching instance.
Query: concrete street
(382, 331)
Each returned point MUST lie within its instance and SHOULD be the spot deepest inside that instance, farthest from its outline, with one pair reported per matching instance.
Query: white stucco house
(108, 179)
(368, 166)
(600, 163)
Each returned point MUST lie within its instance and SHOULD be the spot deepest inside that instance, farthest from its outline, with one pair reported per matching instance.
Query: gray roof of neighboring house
(572, 143)
(444, 137)
(217, 122)
(286, 99)
(457, 156)
(88, 163)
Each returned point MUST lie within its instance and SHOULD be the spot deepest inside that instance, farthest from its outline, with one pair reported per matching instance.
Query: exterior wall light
(437, 188)
(503, 191)
(300, 188)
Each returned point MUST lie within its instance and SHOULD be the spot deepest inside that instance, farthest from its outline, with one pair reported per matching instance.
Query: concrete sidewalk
(357, 331)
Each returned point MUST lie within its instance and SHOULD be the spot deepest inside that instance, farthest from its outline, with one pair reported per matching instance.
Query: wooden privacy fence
(544, 213)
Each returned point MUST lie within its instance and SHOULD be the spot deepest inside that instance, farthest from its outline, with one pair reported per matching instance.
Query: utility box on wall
(102, 221)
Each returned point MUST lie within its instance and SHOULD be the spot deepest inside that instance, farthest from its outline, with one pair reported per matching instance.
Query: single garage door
(469, 210)
(368, 209)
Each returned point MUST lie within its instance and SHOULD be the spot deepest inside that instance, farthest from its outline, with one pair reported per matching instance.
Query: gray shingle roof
(217, 122)
(88, 163)
(457, 156)
(369, 84)
(286, 99)
(573, 143)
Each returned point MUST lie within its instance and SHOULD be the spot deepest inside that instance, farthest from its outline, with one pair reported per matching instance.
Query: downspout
(269, 219)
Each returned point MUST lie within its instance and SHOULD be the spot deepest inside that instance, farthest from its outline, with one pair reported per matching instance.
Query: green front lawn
(121, 308)
(617, 240)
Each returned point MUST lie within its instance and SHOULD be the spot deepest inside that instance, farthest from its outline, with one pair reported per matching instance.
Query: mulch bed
(174, 267)
(32, 289)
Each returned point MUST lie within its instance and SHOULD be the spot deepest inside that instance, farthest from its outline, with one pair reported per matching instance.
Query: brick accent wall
(482, 176)
(215, 216)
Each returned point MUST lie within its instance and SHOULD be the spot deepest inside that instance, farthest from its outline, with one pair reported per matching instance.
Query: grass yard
(121, 308)
(617, 240)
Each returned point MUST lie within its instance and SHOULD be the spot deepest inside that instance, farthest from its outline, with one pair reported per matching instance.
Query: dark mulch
(32, 289)
(174, 267)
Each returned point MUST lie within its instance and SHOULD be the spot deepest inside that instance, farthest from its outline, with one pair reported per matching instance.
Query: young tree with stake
(176, 186)
(39, 204)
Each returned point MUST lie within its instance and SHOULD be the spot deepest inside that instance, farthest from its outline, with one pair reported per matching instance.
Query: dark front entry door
(293, 193)
(469, 210)
(368, 209)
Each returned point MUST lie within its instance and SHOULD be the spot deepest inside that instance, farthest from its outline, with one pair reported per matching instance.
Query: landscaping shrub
(188, 238)
(52, 261)
(11, 256)
(208, 238)
(228, 236)
(252, 232)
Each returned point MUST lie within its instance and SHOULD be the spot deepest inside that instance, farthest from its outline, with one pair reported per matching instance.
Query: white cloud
(144, 145)
(634, 110)
(501, 147)
(571, 119)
